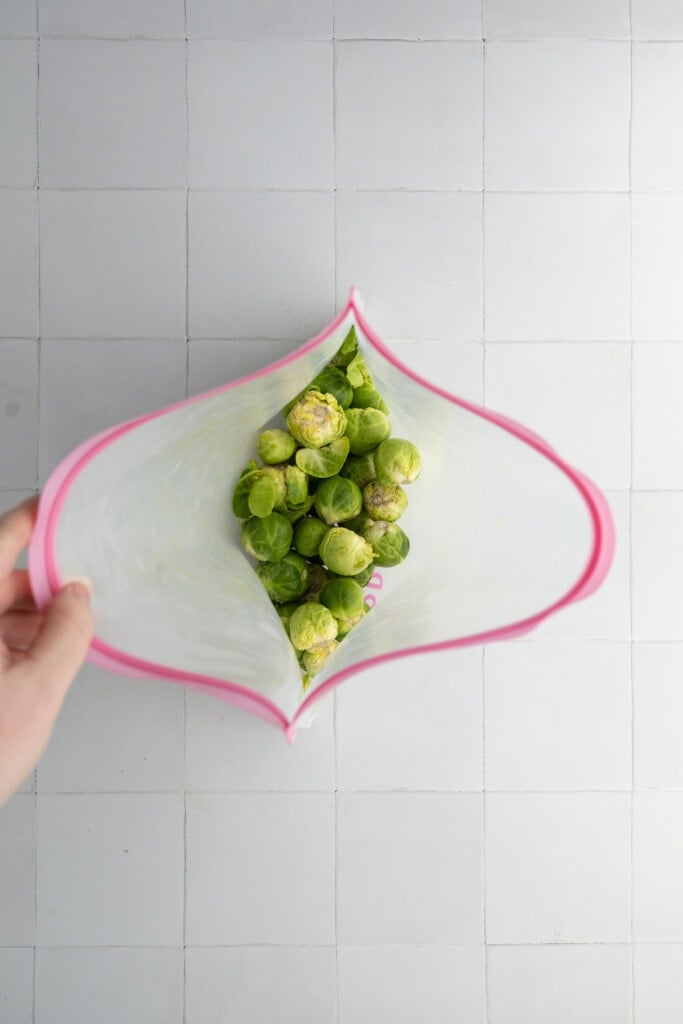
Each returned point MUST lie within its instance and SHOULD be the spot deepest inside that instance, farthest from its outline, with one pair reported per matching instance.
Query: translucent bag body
(503, 533)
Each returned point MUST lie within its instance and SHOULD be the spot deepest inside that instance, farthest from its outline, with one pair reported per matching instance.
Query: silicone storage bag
(503, 533)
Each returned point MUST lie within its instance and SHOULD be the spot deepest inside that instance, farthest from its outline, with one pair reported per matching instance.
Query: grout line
(187, 212)
(483, 399)
(630, 532)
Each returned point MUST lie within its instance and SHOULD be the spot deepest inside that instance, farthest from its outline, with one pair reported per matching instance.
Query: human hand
(40, 653)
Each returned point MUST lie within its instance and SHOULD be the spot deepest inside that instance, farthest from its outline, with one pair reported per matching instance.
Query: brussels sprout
(268, 539)
(397, 461)
(338, 499)
(348, 349)
(296, 487)
(318, 577)
(344, 626)
(249, 468)
(314, 660)
(360, 469)
(368, 397)
(362, 578)
(293, 515)
(267, 492)
(284, 580)
(308, 533)
(384, 501)
(240, 496)
(389, 543)
(275, 446)
(357, 372)
(325, 461)
(332, 381)
(345, 552)
(365, 429)
(344, 597)
(285, 611)
(359, 523)
(311, 627)
(316, 419)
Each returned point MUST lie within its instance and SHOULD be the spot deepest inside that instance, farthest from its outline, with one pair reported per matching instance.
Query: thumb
(63, 641)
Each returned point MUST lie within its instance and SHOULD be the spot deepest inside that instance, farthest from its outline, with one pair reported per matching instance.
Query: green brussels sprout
(325, 461)
(389, 543)
(344, 626)
(338, 499)
(285, 580)
(318, 577)
(268, 539)
(357, 372)
(359, 523)
(368, 397)
(344, 597)
(296, 487)
(314, 660)
(267, 491)
(285, 611)
(360, 469)
(384, 501)
(332, 381)
(365, 429)
(311, 627)
(345, 552)
(249, 468)
(363, 577)
(308, 533)
(397, 461)
(316, 419)
(275, 446)
(348, 349)
(293, 515)
(240, 496)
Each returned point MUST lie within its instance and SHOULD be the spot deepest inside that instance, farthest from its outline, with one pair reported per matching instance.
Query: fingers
(62, 642)
(15, 591)
(16, 527)
(18, 629)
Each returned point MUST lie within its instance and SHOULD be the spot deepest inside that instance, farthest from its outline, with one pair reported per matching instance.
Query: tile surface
(18, 118)
(412, 19)
(17, 891)
(657, 707)
(17, 17)
(657, 883)
(582, 18)
(16, 985)
(658, 982)
(657, 416)
(242, 19)
(657, 256)
(18, 412)
(657, 549)
(124, 19)
(18, 264)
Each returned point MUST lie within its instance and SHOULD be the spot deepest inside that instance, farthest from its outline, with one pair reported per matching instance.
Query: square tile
(112, 114)
(409, 868)
(89, 385)
(16, 985)
(657, 416)
(254, 120)
(576, 395)
(10, 499)
(110, 870)
(16, 872)
(657, 266)
(112, 264)
(413, 19)
(582, 18)
(258, 983)
(408, 116)
(557, 867)
(456, 366)
(657, 880)
(658, 711)
(18, 412)
(562, 984)
(243, 19)
(403, 984)
(558, 716)
(228, 750)
(18, 264)
(658, 983)
(541, 251)
(416, 725)
(657, 146)
(656, 19)
(557, 115)
(416, 260)
(657, 553)
(122, 19)
(606, 614)
(247, 281)
(260, 869)
(140, 986)
(18, 112)
(17, 17)
(214, 361)
(115, 734)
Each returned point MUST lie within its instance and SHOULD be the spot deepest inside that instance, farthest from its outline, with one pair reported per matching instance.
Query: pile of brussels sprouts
(320, 508)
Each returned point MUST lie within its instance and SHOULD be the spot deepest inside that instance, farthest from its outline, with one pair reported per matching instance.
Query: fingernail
(80, 589)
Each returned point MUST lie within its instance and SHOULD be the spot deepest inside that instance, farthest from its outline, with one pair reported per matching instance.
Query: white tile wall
(190, 193)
